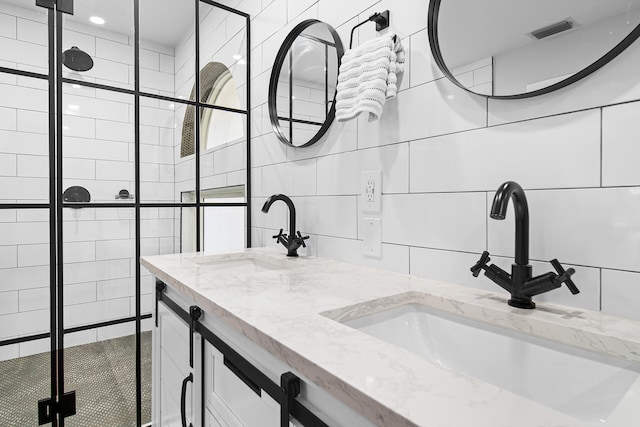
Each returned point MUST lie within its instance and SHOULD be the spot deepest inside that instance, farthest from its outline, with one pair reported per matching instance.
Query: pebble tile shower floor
(102, 373)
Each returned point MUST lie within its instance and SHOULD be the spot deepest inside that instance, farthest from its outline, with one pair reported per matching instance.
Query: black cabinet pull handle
(183, 400)
(242, 376)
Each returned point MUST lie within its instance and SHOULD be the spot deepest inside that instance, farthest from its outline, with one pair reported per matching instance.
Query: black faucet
(520, 284)
(295, 240)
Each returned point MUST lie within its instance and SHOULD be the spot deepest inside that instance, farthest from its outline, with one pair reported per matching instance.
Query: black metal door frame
(60, 401)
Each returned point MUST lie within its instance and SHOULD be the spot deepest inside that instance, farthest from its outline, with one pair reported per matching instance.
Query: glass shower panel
(102, 373)
(167, 145)
(223, 150)
(146, 373)
(224, 228)
(159, 235)
(25, 367)
(186, 225)
(223, 58)
(23, 38)
(99, 288)
(98, 43)
(24, 140)
(98, 144)
(99, 273)
(167, 47)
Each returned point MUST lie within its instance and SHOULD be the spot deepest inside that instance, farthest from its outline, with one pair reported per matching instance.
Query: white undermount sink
(241, 264)
(591, 388)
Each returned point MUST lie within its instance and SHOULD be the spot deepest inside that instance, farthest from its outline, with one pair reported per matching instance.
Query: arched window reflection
(217, 127)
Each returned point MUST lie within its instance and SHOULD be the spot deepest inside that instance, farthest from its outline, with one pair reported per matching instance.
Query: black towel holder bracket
(381, 20)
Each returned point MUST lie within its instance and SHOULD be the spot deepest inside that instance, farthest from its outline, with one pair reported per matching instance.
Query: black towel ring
(381, 20)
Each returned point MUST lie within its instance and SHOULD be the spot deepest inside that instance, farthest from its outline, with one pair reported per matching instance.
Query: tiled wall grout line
(362, 131)
(600, 277)
(456, 144)
(486, 226)
(601, 145)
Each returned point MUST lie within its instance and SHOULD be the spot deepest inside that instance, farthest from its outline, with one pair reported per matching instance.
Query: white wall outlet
(372, 237)
(371, 191)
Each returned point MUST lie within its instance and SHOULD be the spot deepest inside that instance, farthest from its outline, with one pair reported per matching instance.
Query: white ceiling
(161, 21)
(470, 30)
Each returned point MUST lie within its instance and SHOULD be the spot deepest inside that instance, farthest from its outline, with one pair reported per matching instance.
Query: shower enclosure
(124, 129)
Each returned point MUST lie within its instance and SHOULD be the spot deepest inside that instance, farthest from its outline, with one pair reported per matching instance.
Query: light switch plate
(372, 237)
(371, 191)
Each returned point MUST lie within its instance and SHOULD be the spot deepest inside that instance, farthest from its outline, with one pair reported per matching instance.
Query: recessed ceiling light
(97, 20)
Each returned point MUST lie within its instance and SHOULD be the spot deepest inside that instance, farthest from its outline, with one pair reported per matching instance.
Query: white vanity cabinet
(229, 401)
(171, 367)
(302, 324)
(232, 402)
(223, 394)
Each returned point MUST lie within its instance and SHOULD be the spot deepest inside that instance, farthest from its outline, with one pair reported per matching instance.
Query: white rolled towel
(368, 76)
(396, 65)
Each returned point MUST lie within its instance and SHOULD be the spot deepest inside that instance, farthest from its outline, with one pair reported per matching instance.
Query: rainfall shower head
(76, 59)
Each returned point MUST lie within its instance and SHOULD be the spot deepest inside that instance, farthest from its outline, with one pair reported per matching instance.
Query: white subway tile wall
(443, 153)
(98, 151)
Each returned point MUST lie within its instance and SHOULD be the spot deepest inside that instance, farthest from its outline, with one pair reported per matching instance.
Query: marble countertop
(289, 306)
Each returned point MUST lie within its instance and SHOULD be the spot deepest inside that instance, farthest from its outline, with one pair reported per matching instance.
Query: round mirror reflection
(303, 83)
(522, 48)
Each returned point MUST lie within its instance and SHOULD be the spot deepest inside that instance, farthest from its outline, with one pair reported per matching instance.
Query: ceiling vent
(552, 29)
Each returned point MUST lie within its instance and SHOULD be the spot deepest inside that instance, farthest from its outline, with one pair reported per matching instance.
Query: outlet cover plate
(371, 191)
(372, 237)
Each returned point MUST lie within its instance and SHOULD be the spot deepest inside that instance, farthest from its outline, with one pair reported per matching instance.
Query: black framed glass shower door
(27, 212)
(85, 192)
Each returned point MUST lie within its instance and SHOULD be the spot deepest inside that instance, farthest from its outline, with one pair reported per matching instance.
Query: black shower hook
(381, 20)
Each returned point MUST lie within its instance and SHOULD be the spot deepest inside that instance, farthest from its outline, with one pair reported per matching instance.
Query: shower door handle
(183, 400)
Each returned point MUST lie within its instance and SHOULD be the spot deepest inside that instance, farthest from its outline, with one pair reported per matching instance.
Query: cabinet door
(211, 420)
(232, 402)
(171, 368)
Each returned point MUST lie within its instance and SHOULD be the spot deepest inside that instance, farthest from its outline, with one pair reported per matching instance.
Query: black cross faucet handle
(481, 264)
(302, 239)
(564, 276)
(279, 235)
(281, 238)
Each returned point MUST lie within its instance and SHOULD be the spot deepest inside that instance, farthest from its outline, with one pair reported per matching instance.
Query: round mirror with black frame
(303, 83)
(512, 49)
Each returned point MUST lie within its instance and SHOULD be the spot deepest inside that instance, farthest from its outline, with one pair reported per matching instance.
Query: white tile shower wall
(443, 152)
(98, 151)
